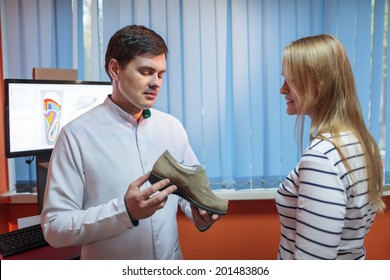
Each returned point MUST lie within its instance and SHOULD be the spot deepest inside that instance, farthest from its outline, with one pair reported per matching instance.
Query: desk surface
(14, 197)
(47, 253)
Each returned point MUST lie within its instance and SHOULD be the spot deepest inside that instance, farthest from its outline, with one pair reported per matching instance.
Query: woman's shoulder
(330, 145)
(321, 143)
(328, 140)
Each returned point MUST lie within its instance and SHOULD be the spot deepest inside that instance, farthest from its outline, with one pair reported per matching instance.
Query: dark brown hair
(131, 41)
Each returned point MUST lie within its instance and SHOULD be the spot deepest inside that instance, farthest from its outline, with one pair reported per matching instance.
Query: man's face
(139, 83)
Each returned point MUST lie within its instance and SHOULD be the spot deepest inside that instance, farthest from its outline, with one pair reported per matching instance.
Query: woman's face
(290, 96)
(292, 100)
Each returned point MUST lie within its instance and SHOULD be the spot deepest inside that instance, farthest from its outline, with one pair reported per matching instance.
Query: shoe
(191, 182)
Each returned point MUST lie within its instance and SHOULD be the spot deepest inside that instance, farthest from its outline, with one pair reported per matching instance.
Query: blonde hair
(322, 62)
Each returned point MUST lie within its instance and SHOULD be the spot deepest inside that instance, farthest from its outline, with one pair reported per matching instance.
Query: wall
(250, 231)
(11, 212)
(3, 160)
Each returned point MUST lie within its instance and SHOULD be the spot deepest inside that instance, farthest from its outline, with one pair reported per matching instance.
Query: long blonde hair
(322, 61)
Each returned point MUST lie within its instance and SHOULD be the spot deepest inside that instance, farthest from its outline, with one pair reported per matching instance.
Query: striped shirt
(324, 209)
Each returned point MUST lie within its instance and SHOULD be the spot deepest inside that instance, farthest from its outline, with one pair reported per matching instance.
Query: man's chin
(146, 107)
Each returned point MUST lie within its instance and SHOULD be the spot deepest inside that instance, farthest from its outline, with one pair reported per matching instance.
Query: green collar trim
(146, 113)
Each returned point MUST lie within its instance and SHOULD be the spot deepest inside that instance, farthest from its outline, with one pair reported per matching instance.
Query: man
(89, 197)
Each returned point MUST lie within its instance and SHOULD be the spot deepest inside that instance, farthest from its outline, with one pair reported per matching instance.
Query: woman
(328, 203)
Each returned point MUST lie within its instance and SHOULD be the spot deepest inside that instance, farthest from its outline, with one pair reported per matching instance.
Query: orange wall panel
(3, 159)
(11, 212)
(250, 231)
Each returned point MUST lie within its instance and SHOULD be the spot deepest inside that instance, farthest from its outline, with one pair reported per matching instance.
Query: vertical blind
(223, 68)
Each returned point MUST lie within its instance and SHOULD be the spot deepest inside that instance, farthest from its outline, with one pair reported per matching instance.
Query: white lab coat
(95, 159)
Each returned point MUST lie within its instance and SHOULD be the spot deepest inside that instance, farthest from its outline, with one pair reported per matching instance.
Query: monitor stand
(42, 165)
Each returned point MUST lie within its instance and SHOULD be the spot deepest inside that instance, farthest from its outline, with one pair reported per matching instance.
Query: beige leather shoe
(191, 181)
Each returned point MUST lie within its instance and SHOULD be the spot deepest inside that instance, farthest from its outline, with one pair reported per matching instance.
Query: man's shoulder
(93, 115)
(163, 115)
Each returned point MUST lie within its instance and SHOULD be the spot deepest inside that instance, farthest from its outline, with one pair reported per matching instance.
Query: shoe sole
(154, 178)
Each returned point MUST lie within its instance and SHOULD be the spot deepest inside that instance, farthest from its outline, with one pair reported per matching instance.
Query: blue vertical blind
(224, 67)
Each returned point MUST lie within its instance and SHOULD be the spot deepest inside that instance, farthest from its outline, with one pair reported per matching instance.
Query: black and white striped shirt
(324, 210)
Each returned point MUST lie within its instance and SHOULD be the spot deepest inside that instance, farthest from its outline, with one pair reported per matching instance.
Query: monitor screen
(36, 110)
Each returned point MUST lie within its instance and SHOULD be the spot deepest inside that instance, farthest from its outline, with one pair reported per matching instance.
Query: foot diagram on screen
(51, 114)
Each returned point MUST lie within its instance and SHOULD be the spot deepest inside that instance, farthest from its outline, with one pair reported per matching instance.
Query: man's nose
(154, 82)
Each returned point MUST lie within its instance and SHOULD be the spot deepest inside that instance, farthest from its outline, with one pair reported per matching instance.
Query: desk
(12, 197)
(11, 212)
(14, 206)
(47, 253)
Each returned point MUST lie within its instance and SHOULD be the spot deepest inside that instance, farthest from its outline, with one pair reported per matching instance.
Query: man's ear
(113, 69)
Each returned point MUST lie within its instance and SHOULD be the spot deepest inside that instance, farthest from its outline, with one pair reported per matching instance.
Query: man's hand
(202, 219)
(143, 204)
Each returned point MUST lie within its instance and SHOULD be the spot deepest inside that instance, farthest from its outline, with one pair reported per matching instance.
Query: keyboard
(21, 240)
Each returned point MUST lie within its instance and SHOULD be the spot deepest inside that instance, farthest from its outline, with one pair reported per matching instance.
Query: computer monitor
(36, 110)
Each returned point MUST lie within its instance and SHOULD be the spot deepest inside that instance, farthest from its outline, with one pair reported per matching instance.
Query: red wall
(250, 231)
(11, 212)
(3, 160)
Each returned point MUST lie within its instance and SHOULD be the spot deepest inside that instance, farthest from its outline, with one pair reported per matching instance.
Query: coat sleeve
(63, 219)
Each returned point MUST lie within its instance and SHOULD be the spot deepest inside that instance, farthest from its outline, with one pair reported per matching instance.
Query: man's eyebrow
(146, 68)
(152, 69)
